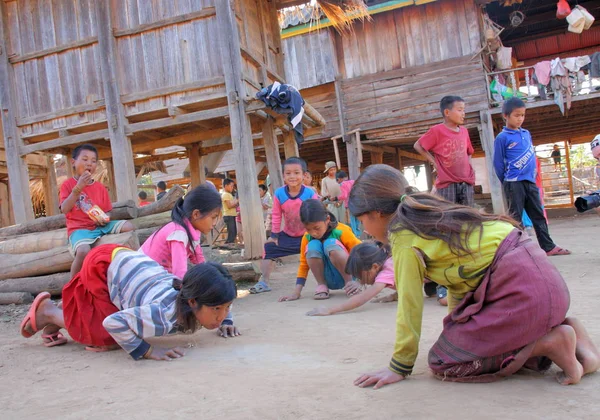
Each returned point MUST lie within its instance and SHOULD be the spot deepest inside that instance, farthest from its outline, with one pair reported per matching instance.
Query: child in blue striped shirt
(121, 297)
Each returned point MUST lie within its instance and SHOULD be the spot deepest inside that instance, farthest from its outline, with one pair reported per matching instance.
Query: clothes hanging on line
(285, 99)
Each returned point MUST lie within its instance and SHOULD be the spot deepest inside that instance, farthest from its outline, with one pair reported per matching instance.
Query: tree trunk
(164, 204)
(15, 297)
(144, 234)
(52, 283)
(244, 271)
(124, 210)
(53, 260)
(153, 220)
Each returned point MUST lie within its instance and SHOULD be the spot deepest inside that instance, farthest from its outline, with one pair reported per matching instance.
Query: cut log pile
(34, 256)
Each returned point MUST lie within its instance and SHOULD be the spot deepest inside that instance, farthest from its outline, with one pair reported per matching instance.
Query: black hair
(202, 198)
(295, 161)
(228, 181)
(263, 187)
(83, 147)
(340, 175)
(364, 255)
(511, 104)
(312, 211)
(447, 103)
(161, 185)
(142, 195)
(209, 284)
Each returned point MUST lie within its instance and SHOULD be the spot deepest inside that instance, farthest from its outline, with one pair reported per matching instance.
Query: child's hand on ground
(320, 311)
(228, 331)
(381, 378)
(393, 297)
(289, 298)
(352, 288)
(159, 353)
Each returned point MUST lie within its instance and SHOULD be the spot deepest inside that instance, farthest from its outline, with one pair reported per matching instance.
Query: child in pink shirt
(346, 186)
(371, 263)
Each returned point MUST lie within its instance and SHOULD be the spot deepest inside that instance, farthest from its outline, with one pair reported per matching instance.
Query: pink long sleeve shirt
(169, 247)
(346, 187)
(288, 208)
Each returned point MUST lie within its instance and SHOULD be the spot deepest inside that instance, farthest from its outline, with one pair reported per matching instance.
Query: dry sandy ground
(289, 366)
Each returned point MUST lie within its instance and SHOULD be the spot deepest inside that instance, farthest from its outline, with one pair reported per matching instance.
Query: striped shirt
(143, 292)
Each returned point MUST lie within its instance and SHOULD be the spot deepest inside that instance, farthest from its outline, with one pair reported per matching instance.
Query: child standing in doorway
(85, 203)
(287, 201)
(330, 190)
(515, 166)
(229, 210)
(324, 251)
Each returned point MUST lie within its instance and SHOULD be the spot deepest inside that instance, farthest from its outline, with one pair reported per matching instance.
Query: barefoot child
(85, 203)
(121, 297)
(229, 210)
(507, 301)
(286, 207)
(371, 263)
(324, 251)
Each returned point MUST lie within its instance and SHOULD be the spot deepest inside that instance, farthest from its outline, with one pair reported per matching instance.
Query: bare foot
(385, 299)
(101, 349)
(585, 351)
(42, 319)
(559, 346)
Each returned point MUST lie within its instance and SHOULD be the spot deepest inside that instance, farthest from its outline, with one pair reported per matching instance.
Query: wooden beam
(194, 158)
(180, 140)
(119, 142)
(272, 153)
(51, 189)
(112, 186)
(205, 12)
(54, 50)
(65, 141)
(400, 166)
(336, 151)
(290, 147)
(147, 94)
(178, 120)
(17, 168)
(241, 130)
(486, 134)
(376, 157)
(4, 205)
(378, 149)
(96, 106)
(410, 155)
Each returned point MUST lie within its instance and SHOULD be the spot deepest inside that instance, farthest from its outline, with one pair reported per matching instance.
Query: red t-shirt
(95, 193)
(451, 151)
(144, 203)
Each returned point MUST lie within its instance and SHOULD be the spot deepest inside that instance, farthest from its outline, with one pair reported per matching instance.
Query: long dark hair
(203, 198)
(209, 284)
(313, 210)
(364, 255)
(384, 189)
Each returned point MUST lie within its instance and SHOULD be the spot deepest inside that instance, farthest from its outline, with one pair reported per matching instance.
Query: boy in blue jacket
(515, 165)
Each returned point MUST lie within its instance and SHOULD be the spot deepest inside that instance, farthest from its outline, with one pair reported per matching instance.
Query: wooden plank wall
(310, 59)
(323, 99)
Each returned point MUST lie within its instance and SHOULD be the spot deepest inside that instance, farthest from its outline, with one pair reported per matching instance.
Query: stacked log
(34, 256)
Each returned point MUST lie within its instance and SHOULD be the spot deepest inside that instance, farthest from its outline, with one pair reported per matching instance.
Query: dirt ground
(290, 366)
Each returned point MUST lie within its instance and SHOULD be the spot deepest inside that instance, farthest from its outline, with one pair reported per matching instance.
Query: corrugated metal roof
(557, 44)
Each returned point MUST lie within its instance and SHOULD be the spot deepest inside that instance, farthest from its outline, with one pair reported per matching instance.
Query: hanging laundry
(285, 99)
(595, 65)
(542, 72)
(561, 85)
(574, 64)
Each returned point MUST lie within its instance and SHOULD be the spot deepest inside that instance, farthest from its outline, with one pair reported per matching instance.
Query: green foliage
(581, 157)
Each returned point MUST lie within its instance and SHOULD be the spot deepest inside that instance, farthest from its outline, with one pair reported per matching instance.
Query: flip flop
(30, 316)
(558, 251)
(321, 292)
(56, 339)
(260, 287)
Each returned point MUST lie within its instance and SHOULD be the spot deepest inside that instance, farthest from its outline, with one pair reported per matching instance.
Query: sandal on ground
(558, 251)
(321, 292)
(260, 287)
(30, 316)
(55, 339)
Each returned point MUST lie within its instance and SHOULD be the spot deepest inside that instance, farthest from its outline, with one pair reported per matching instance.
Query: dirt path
(289, 366)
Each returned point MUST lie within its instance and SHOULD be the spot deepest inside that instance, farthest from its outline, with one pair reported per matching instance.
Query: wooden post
(17, 167)
(202, 165)
(119, 142)
(351, 146)
(241, 131)
(569, 172)
(69, 167)
(376, 157)
(4, 205)
(112, 187)
(290, 146)
(486, 134)
(194, 158)
(51, 189)
(272, 152)
(336, 150)
(399, 161)
(429, 175)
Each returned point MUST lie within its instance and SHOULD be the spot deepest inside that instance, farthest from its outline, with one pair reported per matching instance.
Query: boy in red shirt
(143, 199)
(448, 148)
(85, 203)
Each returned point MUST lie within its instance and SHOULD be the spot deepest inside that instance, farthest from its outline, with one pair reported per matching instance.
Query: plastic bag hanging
(589, 18)
(563, 10)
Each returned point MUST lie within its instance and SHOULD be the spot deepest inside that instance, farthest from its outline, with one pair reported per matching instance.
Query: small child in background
(143, 199)
(229, 210)
(85, 202)
(371, 263)
(122, 297)
(161, 186)
(307, 180)
(324, 251)
(346, 186)
(266, 202)
(286, 206)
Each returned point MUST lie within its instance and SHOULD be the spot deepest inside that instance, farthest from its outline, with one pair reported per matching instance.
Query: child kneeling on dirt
(85, 203)
(121, 297)
(371, 263)
(324, 250)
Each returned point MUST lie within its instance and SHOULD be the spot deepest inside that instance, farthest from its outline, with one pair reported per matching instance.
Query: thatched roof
(341, 13)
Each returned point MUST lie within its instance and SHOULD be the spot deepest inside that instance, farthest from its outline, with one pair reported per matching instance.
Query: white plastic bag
(589, 19)
(576, 21)
(504, 58)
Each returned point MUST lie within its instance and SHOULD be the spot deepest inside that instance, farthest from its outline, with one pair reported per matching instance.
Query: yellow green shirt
(416, 258)
(225, 196)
